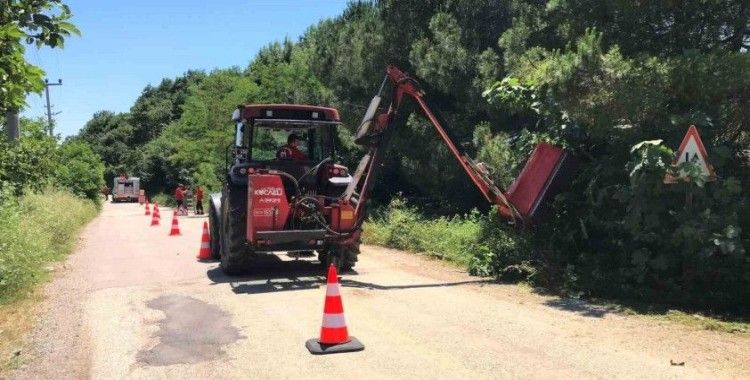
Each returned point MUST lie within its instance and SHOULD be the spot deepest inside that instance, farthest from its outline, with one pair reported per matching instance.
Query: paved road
(134, 303)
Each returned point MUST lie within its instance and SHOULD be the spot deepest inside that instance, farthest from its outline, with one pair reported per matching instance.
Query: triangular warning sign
(692, 150)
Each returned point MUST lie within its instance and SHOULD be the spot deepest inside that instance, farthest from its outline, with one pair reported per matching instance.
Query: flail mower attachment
(548, 170)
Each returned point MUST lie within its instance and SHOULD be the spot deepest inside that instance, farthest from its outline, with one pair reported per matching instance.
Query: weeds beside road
(35, 231)
(38, 229)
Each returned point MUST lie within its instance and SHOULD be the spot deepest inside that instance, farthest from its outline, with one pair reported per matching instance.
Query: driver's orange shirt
(289, 151)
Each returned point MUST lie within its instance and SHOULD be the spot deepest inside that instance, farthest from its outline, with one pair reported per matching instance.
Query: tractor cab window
(266, 142)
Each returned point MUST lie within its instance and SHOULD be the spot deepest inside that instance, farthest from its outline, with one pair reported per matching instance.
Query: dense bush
(621, 231)
(30, 163)
(81, 171)
(35, 230)
(680, 244)
(37, 162)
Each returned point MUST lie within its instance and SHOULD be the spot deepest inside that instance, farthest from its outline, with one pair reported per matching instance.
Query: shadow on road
(582, 307)
(368, 285)
(273, 275)
(276, 275)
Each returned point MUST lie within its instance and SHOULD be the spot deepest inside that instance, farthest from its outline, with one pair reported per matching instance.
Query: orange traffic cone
(156, 210)
(205, 252)
(334, 336)
(155, 218)
(148, 211)
(175, 231)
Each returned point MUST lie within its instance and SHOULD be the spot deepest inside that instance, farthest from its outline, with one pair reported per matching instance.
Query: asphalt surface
(133, 302)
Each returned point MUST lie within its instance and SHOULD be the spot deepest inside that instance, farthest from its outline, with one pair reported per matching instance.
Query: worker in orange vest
(179, 196)
(198, 200)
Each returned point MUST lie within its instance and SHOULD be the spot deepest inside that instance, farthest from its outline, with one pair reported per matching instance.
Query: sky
(125, 45)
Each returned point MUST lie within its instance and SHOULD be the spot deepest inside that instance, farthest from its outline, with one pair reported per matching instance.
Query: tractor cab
(283, 189)
(298, 140)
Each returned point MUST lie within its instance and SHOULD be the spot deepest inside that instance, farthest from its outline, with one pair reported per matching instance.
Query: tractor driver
(291, 151)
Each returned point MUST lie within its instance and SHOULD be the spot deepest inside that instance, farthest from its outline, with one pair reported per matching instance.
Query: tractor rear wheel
(236, 258)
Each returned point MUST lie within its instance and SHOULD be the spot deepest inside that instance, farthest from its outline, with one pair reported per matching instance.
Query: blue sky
(126, 45)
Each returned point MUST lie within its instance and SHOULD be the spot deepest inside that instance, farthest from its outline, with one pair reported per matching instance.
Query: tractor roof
(290, 112)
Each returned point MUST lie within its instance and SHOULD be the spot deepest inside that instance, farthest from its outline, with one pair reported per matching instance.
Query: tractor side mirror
(239, 135)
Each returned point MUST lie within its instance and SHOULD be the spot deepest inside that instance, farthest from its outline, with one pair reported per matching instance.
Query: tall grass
(481, 243)
(403, 227)
(35, 230)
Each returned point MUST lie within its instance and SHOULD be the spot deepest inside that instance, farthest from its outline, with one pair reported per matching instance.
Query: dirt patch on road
(192, 331)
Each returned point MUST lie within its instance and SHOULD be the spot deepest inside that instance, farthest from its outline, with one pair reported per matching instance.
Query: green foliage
(402, 226)
(496, 152)
(484, 244)
(40, 22)
(36, 230)
(37, 162)
(607, 88)
(109, 135)
(81, 171)
(441, 58)
(163, 199)
(682, 241)
(126, 141)
(30, 163)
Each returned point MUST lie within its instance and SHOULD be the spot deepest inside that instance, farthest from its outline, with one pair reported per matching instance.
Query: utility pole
(49, 108)
(11, 126)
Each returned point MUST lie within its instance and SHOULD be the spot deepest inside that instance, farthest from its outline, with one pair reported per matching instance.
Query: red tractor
(285, 191)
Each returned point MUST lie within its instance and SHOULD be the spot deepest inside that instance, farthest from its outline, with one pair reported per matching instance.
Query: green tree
(198, 140)
(110, 135)
(40, 22)
(157, 106)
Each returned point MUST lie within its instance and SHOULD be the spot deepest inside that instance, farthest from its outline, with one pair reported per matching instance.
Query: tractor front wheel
(344, 257)
(214, 228)
(236, 257)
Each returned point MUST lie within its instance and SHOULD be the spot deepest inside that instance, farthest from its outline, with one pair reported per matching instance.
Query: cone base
(316, 348)
(204, 258)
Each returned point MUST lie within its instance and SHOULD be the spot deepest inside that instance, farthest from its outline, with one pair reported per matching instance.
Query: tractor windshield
(315, 143)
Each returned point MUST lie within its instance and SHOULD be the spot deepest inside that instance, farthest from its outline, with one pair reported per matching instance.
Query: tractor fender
(215, 200)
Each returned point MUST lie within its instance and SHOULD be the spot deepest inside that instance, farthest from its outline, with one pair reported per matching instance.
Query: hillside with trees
(617, 83)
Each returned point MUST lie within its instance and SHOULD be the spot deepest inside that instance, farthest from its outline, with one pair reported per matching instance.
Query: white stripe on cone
(332, 290)
(205, 245)
(333, 320)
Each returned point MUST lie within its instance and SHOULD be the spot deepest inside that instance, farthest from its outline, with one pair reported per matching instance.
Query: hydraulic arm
(521, 204)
